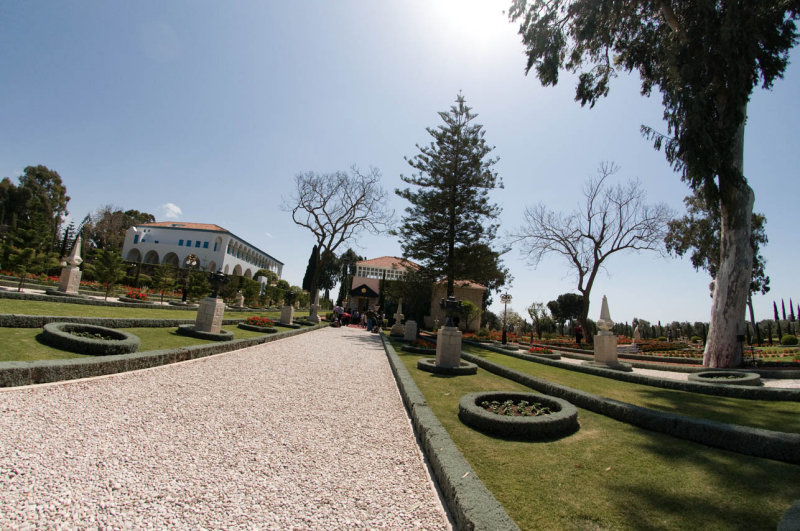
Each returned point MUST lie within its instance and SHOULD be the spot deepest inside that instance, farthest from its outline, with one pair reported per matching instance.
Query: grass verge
(24, 344)
(770, 415)
(610, 475)
(84, 310)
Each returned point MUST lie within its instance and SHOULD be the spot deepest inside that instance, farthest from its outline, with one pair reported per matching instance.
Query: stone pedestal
(448, 347)
(70, 280)
(287, 315)
(397, 327)
(209, 315)
(410, 331)
(605, 349)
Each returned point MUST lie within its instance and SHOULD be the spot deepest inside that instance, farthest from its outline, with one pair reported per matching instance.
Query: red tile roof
(391, 262)
(464, 284)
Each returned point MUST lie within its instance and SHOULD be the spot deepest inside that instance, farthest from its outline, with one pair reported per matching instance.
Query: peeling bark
(732, 287)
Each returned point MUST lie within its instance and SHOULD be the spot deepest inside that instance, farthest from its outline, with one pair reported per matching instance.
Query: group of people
(371, 320)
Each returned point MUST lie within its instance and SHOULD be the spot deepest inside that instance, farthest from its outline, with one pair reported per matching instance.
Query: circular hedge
(188, 330)
(62, 336)
(429, 365)
(136, 301)
(255, 328)
(726, 377)
(562, 421)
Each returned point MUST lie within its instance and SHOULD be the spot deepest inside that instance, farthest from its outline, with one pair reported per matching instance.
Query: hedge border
(60, 336)
(733, 391)
(255, 328)
(189, 330)
(744, 378)
(469, 502)
(746, 440)
(17, 373)
(12, 320)
(79, 300)
(464, 367)
(559, 423)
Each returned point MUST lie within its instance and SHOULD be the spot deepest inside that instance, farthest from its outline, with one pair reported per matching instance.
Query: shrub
(661, 338)
(788, 340)
(257, 320)
(483, 332)
(695, 339)
(136, 294)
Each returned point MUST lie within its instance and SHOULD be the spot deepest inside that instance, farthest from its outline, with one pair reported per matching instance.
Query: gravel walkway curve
(308, 432)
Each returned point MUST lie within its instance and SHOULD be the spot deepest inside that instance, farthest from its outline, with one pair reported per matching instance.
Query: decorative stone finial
(605, 323)
(74, 258)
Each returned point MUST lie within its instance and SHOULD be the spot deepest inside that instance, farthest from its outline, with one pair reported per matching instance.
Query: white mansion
(168, 242)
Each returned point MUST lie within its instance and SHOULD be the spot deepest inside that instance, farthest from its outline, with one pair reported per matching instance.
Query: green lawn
(610, 475)
(85, 310)
(24, 344)
(780, 416)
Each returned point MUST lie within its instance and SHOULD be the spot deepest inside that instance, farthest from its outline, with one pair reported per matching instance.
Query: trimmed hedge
(563, 420)
(189, 330)
(10, 320)
(722, 377)
(77, 300)
(254, 328)
(464, 367)
(470, 503)
(16, 373)
(757, 442)
(62, 336)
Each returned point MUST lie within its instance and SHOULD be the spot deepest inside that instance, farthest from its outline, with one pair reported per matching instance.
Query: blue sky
(204, 111)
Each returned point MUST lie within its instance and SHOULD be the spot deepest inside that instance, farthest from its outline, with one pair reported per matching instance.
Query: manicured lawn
(610, 475)
(780, 416)
(86, 310)
(24, 344)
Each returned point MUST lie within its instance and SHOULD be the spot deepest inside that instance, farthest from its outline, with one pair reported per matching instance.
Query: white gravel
(307, 432)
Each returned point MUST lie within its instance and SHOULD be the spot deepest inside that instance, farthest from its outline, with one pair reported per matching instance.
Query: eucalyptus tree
(705, 58)
(336, 207)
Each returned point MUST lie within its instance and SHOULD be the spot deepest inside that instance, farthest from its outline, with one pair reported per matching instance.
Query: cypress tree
(783, 309)
(775, 309)
(313, 260)
(791, 310)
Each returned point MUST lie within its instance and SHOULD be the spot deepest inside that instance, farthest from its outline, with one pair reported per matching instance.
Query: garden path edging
(14, 320)
(18, 373)
(470, 503)
(733, 391)
(757, 442)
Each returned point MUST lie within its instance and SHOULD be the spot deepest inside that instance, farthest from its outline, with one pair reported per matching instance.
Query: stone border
(60, 336)
(521, 355)
(741, 378)
(189, 330)
(11, 320)
(733, 391)
(758, 442)
(254, 328)
(470, 503)
(16, 373)
(464, 367)
(562, 421)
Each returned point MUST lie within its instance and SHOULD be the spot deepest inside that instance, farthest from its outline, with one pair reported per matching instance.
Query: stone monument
(605, 343)
(238, 301)
(211, 309)
(397, 328)
(448, 341)
(70, 279)
(637, 336)
(410, 330)
(287, 311)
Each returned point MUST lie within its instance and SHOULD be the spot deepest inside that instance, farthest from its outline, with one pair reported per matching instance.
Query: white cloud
(268, 235)
(171, 210)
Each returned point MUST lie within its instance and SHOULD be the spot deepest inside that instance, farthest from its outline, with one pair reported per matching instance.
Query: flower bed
(556, 417)
(420, 346)
(89, 339)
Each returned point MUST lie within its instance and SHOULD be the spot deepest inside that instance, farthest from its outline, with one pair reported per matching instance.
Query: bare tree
(336, 207)
(612, 219)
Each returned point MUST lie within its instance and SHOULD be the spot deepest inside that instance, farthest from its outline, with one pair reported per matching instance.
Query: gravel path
(305, 432)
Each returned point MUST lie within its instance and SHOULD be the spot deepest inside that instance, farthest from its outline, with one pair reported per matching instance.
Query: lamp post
(505, 298)
(189, 264)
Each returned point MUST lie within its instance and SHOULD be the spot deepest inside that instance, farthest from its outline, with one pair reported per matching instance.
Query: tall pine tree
(450, 213)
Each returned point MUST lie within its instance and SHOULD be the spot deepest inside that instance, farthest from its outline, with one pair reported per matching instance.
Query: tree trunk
(732, 286)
